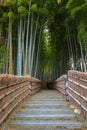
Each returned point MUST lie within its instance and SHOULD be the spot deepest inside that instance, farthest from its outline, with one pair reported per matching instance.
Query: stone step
(58, 105)
(45, 111)
(45, 125)
(56, 99)
(51, 96)
(45, 116)
(48, 93)
(49, 102)
(47, 98)
(55, 93)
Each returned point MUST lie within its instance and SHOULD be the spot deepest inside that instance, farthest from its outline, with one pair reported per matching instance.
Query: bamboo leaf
(22, 10)
(10, 14)
(34, 7)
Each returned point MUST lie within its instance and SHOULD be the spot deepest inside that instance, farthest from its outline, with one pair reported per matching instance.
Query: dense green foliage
(59, 40)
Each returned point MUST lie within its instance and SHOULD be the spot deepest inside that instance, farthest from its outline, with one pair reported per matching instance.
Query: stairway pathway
(47, 110)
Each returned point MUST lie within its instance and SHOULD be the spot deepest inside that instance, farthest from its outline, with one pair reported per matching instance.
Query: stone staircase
(47, 110)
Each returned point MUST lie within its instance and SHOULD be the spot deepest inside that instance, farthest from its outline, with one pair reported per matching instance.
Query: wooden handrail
(14, 92)
(59, 84)
(74, 87)
(77, 90)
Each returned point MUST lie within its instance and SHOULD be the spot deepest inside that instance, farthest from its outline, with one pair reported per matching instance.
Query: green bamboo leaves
(22, 11)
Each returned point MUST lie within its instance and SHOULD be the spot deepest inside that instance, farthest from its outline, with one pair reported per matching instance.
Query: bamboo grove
(43, 38)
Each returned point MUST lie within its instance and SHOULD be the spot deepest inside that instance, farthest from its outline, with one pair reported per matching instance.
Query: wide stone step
(47, 99)
(58, 105)
(45, 111)
(53, 94)
(44, 116)
(48, 102)
(45, 125)
(48, 93)
(47, 96)
(41, 100)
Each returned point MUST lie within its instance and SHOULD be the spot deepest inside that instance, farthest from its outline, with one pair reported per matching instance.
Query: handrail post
(66, 88)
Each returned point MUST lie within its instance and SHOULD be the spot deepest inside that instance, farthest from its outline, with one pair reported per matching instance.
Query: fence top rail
(7, 80)
(82, 75)
(35, 80)
(77, 78)
(63, 77)
(60, 79)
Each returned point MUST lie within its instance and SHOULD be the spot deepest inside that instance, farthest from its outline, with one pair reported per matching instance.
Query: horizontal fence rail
(59, 84)
(14, 92)
(35, 86)
(77, 90)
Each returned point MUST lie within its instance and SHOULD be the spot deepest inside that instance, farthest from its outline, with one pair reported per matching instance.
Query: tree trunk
(10, 47)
